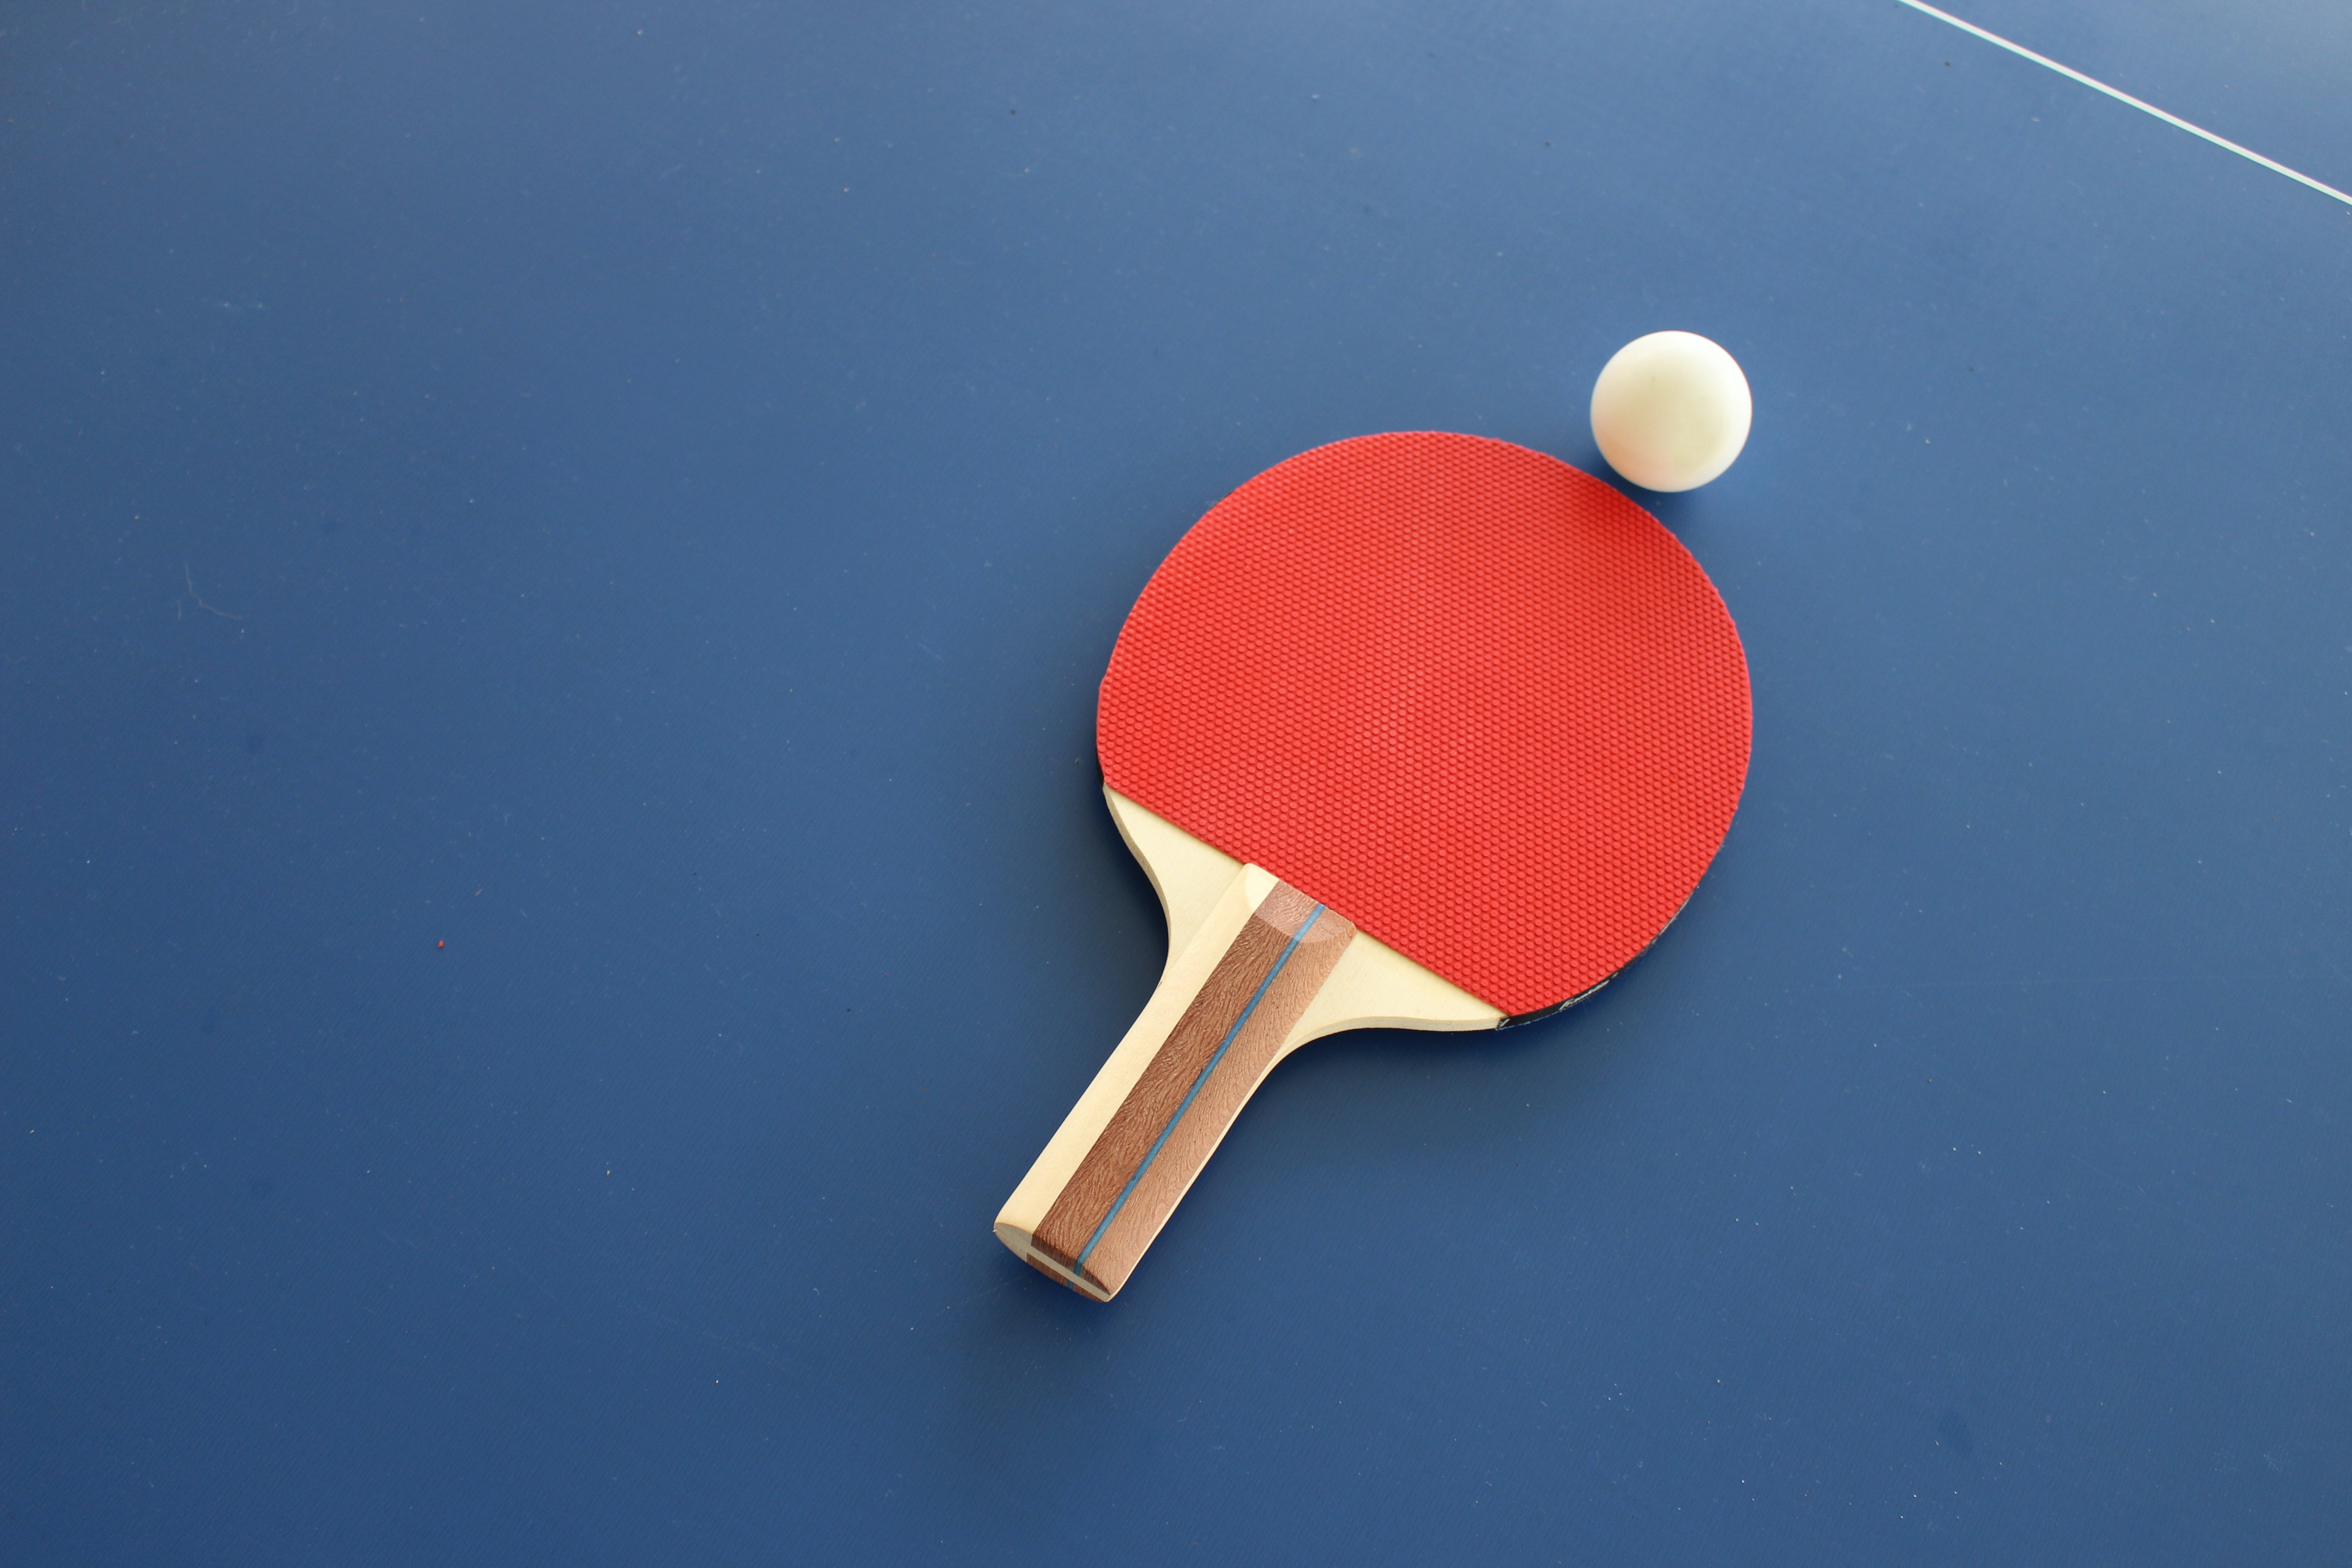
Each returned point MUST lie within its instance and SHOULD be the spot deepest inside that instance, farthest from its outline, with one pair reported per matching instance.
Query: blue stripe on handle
(1190, 1094)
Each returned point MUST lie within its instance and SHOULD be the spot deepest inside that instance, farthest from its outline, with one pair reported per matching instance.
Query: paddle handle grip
(1129, 1151)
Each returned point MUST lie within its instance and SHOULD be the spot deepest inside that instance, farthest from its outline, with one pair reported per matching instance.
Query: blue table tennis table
(557, 562)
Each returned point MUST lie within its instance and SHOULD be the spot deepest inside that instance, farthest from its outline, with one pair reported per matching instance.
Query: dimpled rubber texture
(1473, 698)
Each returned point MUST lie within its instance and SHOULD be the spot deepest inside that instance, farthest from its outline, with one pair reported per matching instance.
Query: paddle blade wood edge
(1256, 968)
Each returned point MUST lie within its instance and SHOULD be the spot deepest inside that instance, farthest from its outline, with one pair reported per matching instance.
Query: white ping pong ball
(1671, 410)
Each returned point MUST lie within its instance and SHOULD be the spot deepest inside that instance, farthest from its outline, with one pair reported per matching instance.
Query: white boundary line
(2122, 97)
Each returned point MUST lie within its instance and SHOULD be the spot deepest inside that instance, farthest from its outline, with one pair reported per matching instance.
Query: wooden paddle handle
(1142, 1131)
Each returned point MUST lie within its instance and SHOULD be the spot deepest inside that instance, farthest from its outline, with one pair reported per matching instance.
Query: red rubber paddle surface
(1474, 699)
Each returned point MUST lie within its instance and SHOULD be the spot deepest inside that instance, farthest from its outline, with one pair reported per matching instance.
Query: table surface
(559, 557)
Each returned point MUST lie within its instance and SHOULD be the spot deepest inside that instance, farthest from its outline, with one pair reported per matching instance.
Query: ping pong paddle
(1413, 730)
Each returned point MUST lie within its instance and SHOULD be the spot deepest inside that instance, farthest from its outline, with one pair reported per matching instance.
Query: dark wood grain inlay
(1207, 1025)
